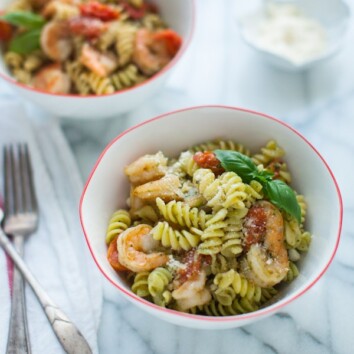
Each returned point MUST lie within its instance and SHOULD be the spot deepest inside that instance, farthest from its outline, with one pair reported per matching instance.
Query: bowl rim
(235, 318)
(170, 65)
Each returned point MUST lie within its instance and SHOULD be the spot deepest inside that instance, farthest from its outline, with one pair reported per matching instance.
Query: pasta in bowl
(111, 54)
(217, 234)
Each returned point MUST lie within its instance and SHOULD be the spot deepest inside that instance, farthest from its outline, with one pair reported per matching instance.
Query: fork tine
(16, 178)
(8, 182)
(27, 179)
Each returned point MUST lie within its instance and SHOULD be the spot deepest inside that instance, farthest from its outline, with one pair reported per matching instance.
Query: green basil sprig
(278, 192)
(25, 19)
(26, 42)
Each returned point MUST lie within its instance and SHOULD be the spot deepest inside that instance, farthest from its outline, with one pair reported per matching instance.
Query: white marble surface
(219, 68)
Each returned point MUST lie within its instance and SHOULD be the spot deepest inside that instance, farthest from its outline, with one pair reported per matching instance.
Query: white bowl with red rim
(179, 15)
(107, 189)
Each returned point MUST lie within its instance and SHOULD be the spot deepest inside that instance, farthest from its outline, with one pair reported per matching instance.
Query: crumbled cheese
(288, 32)
(174, 264)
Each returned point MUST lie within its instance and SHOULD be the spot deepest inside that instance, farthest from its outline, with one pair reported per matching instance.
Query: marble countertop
(221, 69)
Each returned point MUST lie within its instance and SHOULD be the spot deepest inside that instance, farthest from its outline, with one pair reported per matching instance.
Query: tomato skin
(112, 256)
(254, 226)
(98, 10)
(87, 27)
(173, 40)
(208, 159)
(5, 31)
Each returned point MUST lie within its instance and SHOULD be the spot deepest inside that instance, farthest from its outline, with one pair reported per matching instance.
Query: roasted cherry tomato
(112, 256)
(87, 27)
(207, 159)
(98, 10)
(254, 226)
(5, 31)
(172, 40)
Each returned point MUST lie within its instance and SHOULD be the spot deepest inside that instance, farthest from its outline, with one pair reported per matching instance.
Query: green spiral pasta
(118, 223)
(209, 186)
(153, 22)
(158, 280)
(99, 85)
(292, 232)
(292, 273)
(147, 214)
(22, 75)
(225, 296)
(176, 239)
(238, 306)
(182, 214)
(13, 60)
(241, 285)
(268, 294)
(140, 285)
(254, 191)
(220, 145)
(18, 5)
(125, 43)
(34, 61)
(303, 206)
(304, 241)
(78, 75)
(125, 77)
(234, 189)
(211, 239)
(187, 163)
(232, 240)
(269, 153)
(221, 264)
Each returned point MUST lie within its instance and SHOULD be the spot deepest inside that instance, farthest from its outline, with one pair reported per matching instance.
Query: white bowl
(180, 15)
(334, 16)
(107, 189)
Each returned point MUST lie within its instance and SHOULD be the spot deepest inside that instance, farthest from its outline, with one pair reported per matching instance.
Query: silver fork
(21, 220)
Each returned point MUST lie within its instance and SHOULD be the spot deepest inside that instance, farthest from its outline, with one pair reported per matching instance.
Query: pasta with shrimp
(118, 45)
(201, 239)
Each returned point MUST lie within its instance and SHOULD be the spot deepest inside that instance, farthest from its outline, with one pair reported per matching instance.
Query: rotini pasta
(222, 145)
(202, 240)
(118, 45)
(268, 154)
(118, 223)
(182, 214)
(125, 78)
(141, 285)
(176, 239)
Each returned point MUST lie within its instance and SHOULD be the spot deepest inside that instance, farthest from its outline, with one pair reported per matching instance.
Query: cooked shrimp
(147, 168)
(266, 262)
(152, 51)
(192, 293)
(101, 64)
(136, 250)
(56, 41)
(52, 79)
(167, 188)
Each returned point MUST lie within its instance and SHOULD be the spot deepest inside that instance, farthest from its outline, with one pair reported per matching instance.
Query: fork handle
(68, 335)
(18, 338)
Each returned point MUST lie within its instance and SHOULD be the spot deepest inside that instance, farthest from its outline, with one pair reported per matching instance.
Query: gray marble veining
(220, 69)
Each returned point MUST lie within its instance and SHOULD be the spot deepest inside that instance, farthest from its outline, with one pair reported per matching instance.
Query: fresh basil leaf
(264, 176)
(26, 42)
(26, 19)
(236, 162)
(283, 196)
